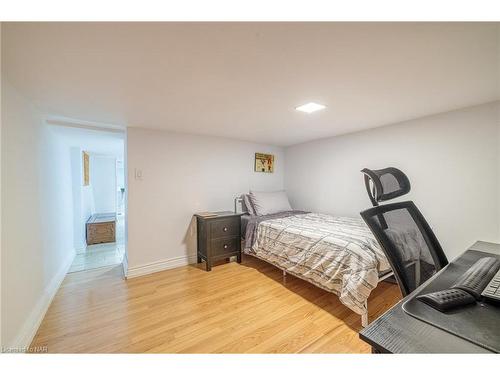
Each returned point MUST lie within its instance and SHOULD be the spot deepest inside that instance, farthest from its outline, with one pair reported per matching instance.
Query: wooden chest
(101, 228)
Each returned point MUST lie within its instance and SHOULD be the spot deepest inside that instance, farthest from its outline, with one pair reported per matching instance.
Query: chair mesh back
(408, 242)
(385, 184)
(390, 184)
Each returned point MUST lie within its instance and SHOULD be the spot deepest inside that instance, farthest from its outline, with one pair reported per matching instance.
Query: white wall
(37, 226)
(0, 185)
(103, 182)
(76, 182)
(498, 115)
(183, 174)
(83, 199)
(451, 159)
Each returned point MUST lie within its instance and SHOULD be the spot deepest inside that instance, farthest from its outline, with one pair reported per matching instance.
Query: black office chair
(385, 184)
(408, 242)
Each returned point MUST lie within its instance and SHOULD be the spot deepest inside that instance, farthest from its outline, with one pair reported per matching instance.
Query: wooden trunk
(101, 228)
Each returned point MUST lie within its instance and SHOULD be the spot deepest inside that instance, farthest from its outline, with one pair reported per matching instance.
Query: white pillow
(248, 204)
(265, 203)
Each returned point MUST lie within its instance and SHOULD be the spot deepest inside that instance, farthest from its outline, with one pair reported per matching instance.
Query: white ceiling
(243, 80)
(93, 141)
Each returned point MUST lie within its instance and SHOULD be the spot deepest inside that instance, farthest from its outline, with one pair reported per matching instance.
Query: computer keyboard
(482, 279)
(492, 290)
(475, 279)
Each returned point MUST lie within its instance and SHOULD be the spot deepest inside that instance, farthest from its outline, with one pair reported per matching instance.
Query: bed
(338, 254)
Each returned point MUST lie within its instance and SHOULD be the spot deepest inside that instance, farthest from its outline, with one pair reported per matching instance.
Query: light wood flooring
(235, 308)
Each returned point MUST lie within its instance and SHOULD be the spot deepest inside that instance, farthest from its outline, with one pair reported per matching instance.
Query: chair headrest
(386, 184)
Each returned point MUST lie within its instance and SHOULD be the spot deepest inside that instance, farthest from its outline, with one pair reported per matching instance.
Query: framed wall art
(86, 169)
(264, 162)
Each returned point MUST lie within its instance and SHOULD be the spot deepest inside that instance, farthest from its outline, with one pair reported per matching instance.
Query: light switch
(138, 174)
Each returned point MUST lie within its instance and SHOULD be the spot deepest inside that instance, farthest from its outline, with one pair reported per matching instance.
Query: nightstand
(219, 237)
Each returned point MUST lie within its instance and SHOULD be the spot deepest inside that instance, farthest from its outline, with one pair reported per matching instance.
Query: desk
(398, 332)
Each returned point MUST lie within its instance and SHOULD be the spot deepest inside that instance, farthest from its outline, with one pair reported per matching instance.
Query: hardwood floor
(235, 308)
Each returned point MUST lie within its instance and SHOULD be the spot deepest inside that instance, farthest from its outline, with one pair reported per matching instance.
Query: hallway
(102, 255)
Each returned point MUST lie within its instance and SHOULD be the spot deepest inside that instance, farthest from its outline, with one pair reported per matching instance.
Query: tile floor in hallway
(102, 255)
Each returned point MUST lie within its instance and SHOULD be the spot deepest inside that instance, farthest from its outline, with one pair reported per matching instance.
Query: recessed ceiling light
(310, 107)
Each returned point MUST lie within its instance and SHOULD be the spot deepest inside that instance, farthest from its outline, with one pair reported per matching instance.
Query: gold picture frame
(86, 168)
(264, 162)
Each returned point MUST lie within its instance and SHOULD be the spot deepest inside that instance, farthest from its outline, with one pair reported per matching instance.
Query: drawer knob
(225, 246)
(224, 229)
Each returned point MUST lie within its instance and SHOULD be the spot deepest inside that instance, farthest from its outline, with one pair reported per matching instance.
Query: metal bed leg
(417, 273)
(284, 277)
(386, 276)
(364, 316)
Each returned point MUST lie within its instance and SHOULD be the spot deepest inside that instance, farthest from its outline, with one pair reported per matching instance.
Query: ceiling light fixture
(310, 107)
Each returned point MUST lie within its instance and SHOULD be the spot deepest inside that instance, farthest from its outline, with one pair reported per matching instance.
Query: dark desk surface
(398, 332)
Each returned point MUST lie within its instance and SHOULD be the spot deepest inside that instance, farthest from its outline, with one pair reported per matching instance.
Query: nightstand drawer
(223, 246)
(225, 228)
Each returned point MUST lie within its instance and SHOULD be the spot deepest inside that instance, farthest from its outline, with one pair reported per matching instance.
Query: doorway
(103, 213)
(98, 187)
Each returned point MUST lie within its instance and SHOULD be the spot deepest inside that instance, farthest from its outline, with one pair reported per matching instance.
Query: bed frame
(364, 317)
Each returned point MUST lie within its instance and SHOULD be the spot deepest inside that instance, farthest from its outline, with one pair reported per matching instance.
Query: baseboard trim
(31, 325)
(125, 265)
(162, 265)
